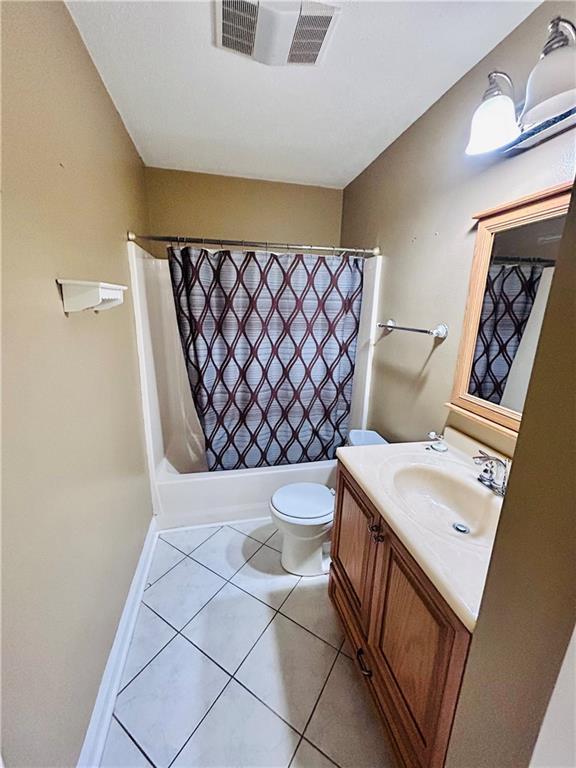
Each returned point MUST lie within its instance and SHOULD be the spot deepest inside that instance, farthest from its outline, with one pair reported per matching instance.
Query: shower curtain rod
(334, 249)
(513, 260)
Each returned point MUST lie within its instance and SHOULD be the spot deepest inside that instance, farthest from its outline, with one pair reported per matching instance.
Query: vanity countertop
(456, 564)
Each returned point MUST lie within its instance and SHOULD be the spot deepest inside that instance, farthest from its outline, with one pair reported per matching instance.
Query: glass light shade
(551, 87)
(493, 125)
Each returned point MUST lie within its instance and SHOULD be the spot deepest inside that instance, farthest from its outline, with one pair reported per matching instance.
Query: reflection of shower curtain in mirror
(269, 342)
(508, 299)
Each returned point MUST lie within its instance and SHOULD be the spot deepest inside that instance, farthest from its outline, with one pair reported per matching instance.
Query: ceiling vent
(275, 32)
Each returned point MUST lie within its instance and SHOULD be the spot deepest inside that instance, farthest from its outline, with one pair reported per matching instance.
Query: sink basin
(447, 503)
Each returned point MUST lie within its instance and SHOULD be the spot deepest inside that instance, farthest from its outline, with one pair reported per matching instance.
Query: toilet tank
(365, 437)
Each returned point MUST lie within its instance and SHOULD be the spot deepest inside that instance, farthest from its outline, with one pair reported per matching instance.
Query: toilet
(304, 512)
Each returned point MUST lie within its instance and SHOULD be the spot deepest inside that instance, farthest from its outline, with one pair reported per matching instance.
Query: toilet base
(305, 556)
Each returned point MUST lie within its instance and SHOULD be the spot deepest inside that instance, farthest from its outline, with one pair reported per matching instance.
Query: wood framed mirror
(512, 269)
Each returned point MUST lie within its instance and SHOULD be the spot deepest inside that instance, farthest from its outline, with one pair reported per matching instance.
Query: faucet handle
(494, 473)
(438, 443)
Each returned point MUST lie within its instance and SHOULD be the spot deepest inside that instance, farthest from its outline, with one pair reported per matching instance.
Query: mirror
(514, 261)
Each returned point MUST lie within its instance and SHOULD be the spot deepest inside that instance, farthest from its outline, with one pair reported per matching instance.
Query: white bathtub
(183, 493)
(237, 494)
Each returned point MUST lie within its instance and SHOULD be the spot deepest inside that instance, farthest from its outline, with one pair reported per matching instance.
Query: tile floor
(236, 663)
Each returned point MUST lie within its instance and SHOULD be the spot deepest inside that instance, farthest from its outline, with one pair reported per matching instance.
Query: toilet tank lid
(304, 500)
(365, 437)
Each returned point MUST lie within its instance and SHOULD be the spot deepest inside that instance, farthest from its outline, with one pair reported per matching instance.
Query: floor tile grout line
(133, 740)
(151, 583)
(243, 685)
(204, 653)
(226, 581)
(253, 537)
(268, 707)
(318, 701)
(161, 617)
(220, 588)
(251, 595)
(184, 637)
(321, 692)
(289, 593)
(276, 612)
(262, 545)
(189, 555)
(229, 580)
(232, 676)
(181, 631)
(219, 528)
(335, 647)
(254, 644)
(296, 750)
(311, 743)
(204, 716)
(147, 663)
(237, 569)
(303, 737)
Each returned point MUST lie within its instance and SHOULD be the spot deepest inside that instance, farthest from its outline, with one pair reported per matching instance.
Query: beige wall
(184, 203)
(417, 201)
(528, 610)
(76, 503)
(556, 745)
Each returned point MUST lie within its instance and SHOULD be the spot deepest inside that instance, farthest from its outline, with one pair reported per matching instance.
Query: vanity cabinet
(353, 551)
(409, 645)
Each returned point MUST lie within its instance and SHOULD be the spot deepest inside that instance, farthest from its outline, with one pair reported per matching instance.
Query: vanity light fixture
(550, 104)
(551, 88)
(494, 123)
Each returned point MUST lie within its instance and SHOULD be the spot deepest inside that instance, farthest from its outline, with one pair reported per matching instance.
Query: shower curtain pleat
(269, 342)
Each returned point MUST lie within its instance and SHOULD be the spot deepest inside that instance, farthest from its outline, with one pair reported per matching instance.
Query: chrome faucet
(494, 474)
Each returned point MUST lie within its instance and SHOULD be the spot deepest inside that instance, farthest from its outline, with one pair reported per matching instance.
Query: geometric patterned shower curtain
(269, 342)
(508, 300)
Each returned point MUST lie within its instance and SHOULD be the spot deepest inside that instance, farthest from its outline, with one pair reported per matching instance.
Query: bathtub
(183, 492)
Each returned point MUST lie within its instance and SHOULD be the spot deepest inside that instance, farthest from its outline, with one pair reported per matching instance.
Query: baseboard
(95, 738)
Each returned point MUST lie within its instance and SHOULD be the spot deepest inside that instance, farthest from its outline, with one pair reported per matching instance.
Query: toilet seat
(304, 503)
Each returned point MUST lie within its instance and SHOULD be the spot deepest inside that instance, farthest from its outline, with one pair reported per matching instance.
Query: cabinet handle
(374, 528)
(376, 531)
(360, 659)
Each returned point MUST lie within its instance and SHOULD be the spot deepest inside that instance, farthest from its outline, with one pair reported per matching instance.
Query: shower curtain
(269, 342)
(508, 299)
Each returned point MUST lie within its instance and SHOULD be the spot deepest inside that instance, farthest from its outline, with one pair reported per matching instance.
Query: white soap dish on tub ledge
(79, 295)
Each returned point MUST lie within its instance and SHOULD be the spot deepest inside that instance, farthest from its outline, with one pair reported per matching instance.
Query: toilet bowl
(304, 513)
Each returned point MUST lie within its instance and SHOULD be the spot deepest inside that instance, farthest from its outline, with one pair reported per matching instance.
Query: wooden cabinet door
(356, 529)
(419, 649)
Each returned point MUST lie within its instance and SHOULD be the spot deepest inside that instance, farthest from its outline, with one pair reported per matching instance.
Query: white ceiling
(191, 106)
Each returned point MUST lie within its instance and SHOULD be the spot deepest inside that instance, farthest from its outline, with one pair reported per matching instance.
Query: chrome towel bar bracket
(439, 332)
